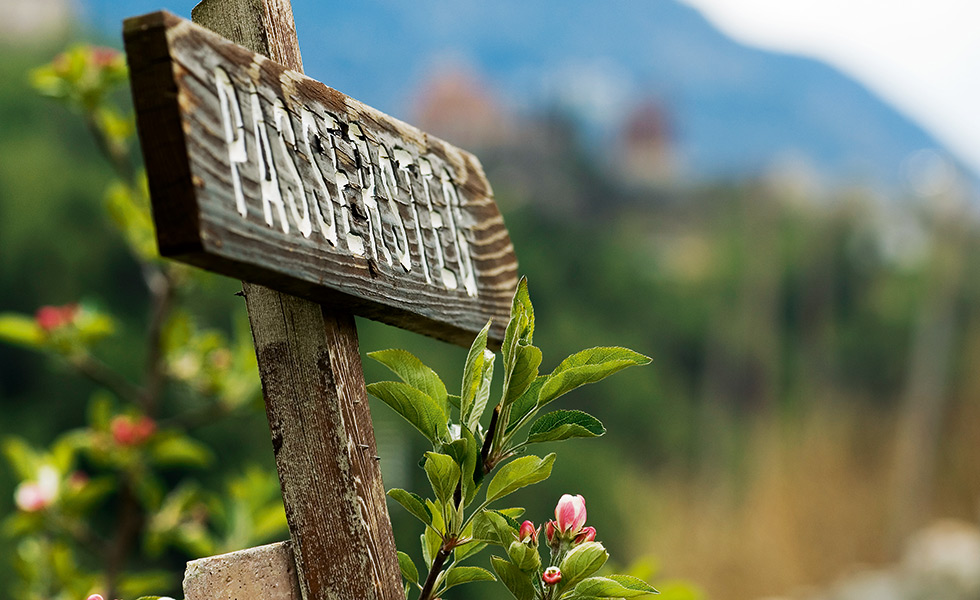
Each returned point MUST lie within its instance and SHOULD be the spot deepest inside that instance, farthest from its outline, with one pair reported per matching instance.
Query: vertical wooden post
(314, 390)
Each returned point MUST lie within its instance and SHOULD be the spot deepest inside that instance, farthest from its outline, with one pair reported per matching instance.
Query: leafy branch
(464, 453)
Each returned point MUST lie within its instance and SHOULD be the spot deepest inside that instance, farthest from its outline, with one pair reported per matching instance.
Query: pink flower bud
(50, 318)
(570, 513)
(551, 575)
(95, 597)
(549, 532)
(32, 496)
(586, 535)
(103, 57)
(528, 532)
(127, 431)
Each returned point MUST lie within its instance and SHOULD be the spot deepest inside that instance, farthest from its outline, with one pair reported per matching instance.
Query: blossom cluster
(566, 531)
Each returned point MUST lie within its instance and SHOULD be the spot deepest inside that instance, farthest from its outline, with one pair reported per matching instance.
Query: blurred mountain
(733, 111)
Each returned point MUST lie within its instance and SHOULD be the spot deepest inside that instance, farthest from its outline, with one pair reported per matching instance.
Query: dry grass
(809, 501)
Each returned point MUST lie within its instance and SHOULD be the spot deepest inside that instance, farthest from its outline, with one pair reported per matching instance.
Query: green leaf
(520, 327)
(431, 543)
(526, 403)
(516, 581)
(519, 473)
(467, 550)
(141, 583)
(525, 557)
(633, 583)
(482, 393)
(417, 407)
(465, 451)
(511, 515)
(581, 561)
(443, 473)
(427, 551)
(526, 363)
(407, 567)
(588, 366)
(100, 411)
(611, 587)
(604, 587)
(412, 503)
(564, 424)
(24, 459)
(414, 372)
(492, 527)
(20, 330)
(459, 575)
(474, 374)
(178, 450)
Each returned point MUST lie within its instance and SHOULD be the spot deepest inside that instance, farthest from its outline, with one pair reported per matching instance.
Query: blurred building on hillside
(34, 20)
(559, 156)
(454, 103)
(646, 153)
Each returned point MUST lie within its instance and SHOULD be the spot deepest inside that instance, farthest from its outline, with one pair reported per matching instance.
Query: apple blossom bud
(528, 532)
(549, 532)
(95, 597)
(551, 575)
(586, 535)
(127, 431)
(32, 496)
(104, 57)
(570, 513)
(50, 318)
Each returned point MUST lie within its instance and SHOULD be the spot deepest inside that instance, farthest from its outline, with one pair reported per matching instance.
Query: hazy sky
(923, 56)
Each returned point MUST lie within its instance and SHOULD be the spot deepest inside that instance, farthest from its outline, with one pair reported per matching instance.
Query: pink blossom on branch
(32, 496)
(130, 431)
(570, 513)
(549, 532)
(50, 318)
(528, 532)
(586, 535)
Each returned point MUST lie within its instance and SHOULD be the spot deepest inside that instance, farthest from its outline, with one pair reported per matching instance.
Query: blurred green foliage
(752, 298)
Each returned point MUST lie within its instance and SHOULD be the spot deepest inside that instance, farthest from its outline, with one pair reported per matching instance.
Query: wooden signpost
(326, 208)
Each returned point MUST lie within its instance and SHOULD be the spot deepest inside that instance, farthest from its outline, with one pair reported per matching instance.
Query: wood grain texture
(315, 397)
(325, 448)
(259, 172)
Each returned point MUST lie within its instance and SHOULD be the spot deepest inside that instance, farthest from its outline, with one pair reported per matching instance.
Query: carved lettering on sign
(264, 174)
(286, 142)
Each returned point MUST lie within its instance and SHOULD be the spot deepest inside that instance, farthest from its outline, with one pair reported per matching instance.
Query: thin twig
(119, 160)
(162, 290)
(98, 372)
(130, 525)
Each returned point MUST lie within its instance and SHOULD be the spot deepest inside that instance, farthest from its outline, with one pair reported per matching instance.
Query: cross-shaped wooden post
(261, 173)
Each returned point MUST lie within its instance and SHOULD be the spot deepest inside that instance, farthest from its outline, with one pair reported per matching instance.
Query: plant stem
(483, 466)
(98, 372)
(130, 525)
(117, 156)
(434, 570)
(162, 289)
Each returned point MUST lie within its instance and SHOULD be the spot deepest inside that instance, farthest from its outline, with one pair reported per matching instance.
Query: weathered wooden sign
(259, 172)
